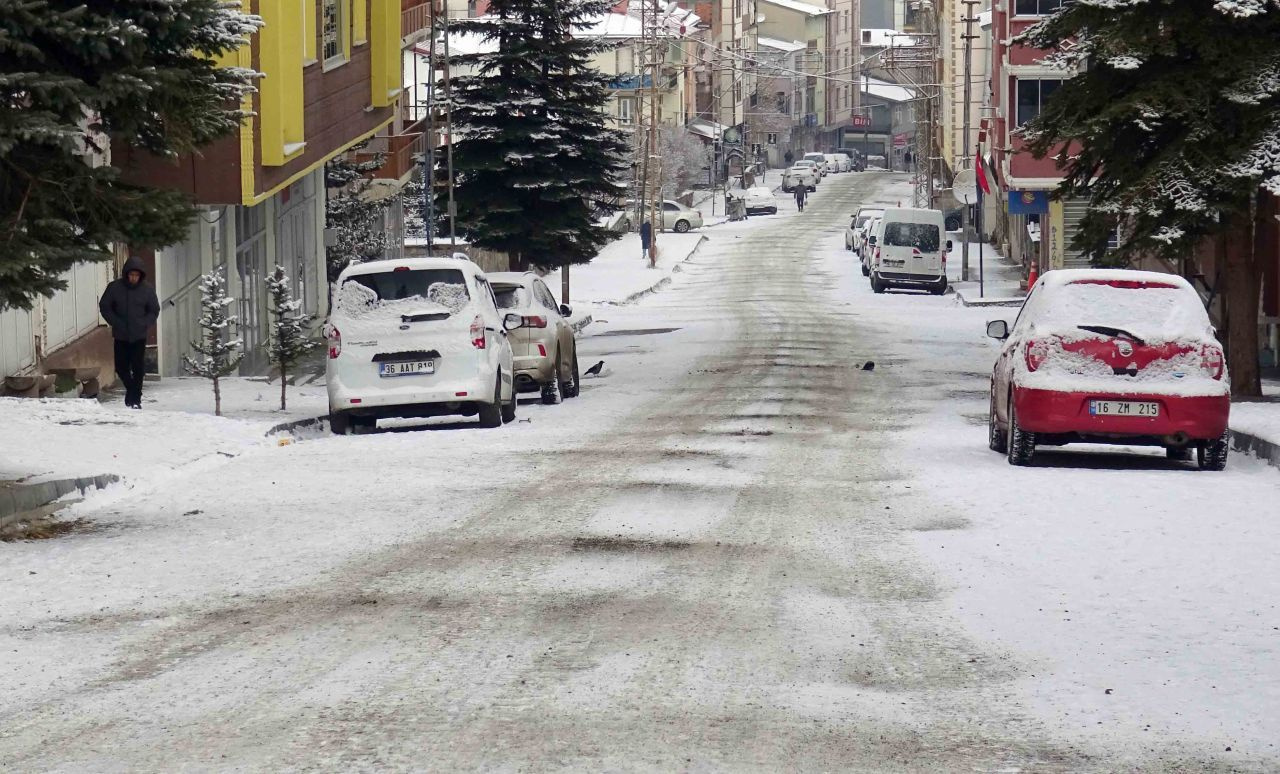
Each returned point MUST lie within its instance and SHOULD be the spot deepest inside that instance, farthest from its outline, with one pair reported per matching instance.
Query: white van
(909, 251)
(418, 337)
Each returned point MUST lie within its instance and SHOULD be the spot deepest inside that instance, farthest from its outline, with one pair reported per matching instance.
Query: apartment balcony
(403, 152)
(415, 21)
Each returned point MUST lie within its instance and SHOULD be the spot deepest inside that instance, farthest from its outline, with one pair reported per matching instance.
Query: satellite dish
(965, 186)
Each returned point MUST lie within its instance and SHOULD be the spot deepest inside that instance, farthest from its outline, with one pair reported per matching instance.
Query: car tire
(363, 425)
(877, 286)
(491, 413)
(553, 391)
(509, 409)
(572, 387)
(1178, 453)
(997, 441)
(1212, 455)
(865, 271)
(682, 226)
(941, 288)
(339, 423)
(1021, 445)
(813, 188)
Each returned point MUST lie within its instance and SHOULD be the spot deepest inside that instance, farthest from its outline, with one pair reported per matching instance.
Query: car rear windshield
(924, 237)
(863, 220)
(1152, 311)
(510, 296)
(408, 283)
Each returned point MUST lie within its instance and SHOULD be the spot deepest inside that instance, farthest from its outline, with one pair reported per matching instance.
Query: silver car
(679, 218)
(544, 350)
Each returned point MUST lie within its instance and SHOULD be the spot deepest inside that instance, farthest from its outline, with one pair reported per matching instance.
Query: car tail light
(1035, 355)
(1211, 361)
(335, 342)
(535, 321)
(477, 333)
(877, 253)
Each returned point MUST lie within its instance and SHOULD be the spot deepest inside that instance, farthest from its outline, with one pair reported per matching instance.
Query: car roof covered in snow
(511, 277)
(1060, 277)
(377, 267)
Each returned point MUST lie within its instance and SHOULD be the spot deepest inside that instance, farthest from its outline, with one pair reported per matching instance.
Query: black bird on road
(595, 369)
(869, 366)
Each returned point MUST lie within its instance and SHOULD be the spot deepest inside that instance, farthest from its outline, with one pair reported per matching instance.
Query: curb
(297, 424)
(982, 302)
(19, 499)
(1261, 448)
(662, 283)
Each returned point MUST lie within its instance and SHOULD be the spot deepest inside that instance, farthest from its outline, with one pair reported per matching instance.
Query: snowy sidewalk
(63, 438)
(1255, 425)
(619, 275)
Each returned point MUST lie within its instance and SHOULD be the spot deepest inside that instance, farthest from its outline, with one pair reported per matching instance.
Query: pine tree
(355, 218)
(1175, 133)
(533, 154)
(219, 355)
(289, 339)
(74, 73)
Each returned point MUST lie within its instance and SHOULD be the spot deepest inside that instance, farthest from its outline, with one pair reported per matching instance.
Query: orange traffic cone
(1033, 275)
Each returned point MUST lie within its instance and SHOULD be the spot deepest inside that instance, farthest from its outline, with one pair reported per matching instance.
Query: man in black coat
(130, 307)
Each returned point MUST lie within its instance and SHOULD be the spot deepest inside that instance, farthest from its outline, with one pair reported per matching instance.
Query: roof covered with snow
(885, 38)
(885, 90)
(795, 5)
(788, 46)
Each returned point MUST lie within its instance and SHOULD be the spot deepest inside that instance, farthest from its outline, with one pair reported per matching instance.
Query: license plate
(407, 368)
(1123, 408)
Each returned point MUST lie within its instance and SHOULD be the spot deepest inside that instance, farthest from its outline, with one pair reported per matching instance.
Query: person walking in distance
(646, 242)
(130, 307)
(802, 193)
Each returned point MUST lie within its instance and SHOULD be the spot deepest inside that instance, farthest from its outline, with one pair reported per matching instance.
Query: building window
(1035, 7)
(866, 37)
(1032, 94)
(626, 110)
(331, 27)
(771, 138)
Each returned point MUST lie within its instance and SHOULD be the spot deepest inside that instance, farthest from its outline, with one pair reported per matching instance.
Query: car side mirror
(566, 310)
(871, 240)
(998, 329)
(512, 321)
(949, 245)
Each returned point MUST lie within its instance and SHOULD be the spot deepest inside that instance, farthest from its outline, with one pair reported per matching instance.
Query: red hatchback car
(1110, 356)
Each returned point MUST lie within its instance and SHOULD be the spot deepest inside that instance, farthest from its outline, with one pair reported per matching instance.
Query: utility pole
(964, 143)
(428, 171)
(448, 129)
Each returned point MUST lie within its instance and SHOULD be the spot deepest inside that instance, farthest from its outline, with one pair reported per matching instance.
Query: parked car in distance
(1111, 357)
(679, 218)
(837, 162)
(544, 349)
(909, 252)
(800, 175)
(417, 337)
(856, 231)
(820, 161)
(869, 237)
(759, 200)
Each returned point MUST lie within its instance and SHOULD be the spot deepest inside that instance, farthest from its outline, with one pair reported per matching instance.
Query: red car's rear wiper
(1107, 330)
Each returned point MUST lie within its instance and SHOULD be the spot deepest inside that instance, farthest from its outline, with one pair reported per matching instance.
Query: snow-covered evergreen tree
(72, 74)
(355, 218)
(685, 159)
(1174, 132)
(532, 151)
(289, 328)
(219, 355)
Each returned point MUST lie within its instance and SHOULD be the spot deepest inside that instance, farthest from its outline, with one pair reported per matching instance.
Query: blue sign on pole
(1028, 202)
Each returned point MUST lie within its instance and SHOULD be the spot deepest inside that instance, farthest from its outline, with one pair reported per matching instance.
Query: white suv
(417, 337)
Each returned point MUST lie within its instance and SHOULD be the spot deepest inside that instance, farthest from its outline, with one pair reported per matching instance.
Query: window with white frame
(771, 138)
(331, 29)
(1032, 93)
(1035, 7)
(626, 110)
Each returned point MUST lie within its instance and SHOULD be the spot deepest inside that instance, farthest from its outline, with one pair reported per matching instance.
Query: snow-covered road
(737, 550)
